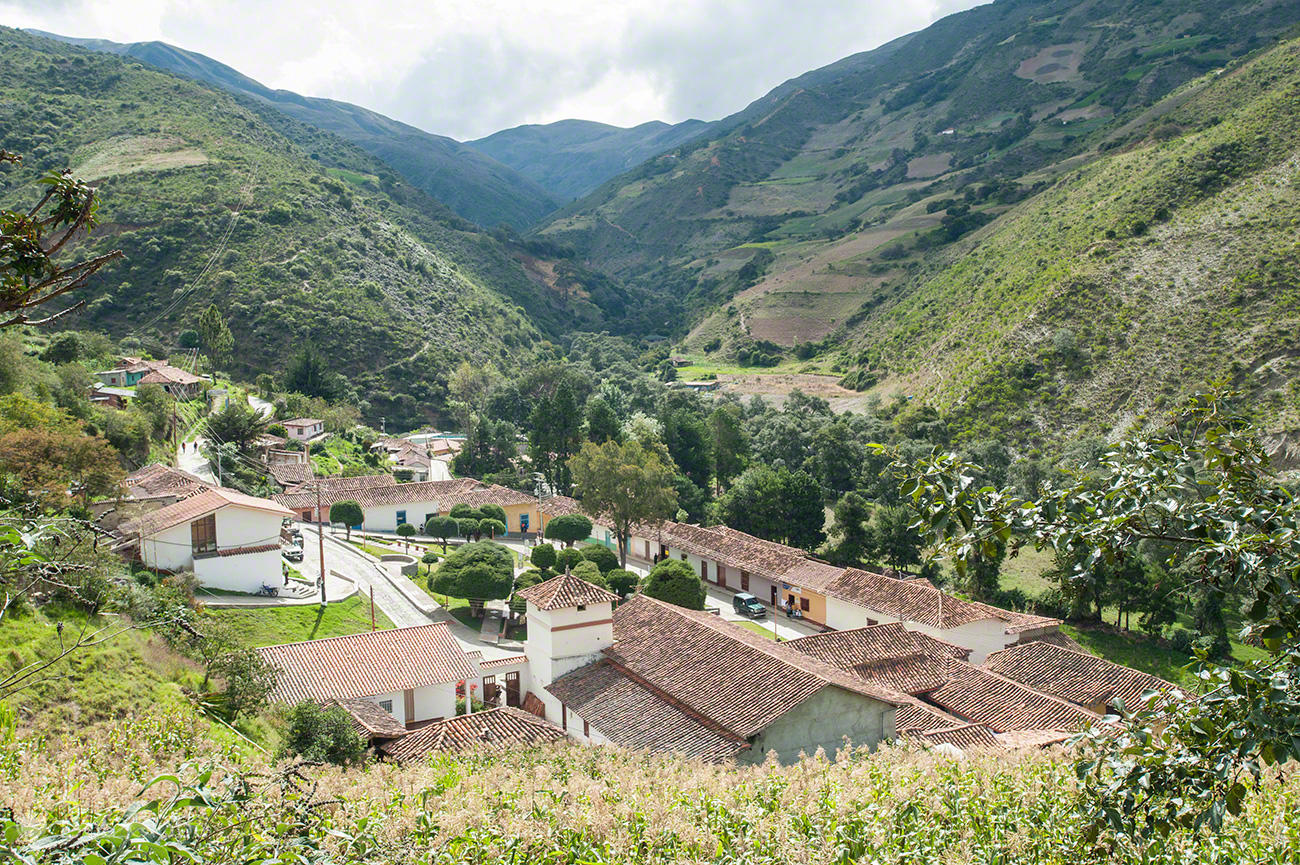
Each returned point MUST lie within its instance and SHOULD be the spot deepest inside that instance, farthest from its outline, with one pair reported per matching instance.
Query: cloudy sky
(471, 67)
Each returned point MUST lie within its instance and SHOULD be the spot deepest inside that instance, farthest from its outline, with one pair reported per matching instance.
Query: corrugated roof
(198, 505)
(564, 592)
(368, 664)
(495, 729)
(1076, 676)
(634, 716)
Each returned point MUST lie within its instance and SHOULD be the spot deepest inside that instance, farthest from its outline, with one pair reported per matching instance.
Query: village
(790, 654)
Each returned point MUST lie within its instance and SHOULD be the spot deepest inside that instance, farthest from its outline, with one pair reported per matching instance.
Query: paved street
(786, 629)
(191, 459)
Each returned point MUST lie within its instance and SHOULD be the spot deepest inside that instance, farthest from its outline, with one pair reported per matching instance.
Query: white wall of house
(246, 572)
(560, 641)
(383, 518)
(826, 720)
(431, 702)
(169, 550)
(302, 433)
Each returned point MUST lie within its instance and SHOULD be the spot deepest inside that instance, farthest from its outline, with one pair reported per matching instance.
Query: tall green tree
(730, 444)
(686, 435)
(900, 544)
(555, 433)
(306, 373)
(238, 425)
(602, 423)
(218, 342)
(349, 513)
(776, 504)
(854, 540)
(625, 484)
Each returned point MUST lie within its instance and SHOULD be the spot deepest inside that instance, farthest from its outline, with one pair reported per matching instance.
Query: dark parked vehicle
(749, 606)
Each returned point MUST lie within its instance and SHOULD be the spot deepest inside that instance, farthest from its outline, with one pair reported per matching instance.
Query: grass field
(761, 630)
(267, 626)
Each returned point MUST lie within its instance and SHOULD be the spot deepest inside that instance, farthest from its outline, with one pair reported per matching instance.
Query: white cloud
(469, 68)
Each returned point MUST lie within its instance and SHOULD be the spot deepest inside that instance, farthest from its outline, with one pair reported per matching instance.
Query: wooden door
(490, 690)
(512, 689)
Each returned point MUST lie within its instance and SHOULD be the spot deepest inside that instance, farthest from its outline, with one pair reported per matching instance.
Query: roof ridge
(359, 634)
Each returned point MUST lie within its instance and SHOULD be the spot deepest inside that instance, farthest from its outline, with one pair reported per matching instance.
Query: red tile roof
(368, 664)
(157, 479)
(170, 375)
(1076, 676)
(564, 592)
(559, 506)
(290, 474)
(962, 735)
(201, 504)
(888, 654)
(370, 720)
(979, 695)
(374, 492)
(740, 680)
(919, 601)
(734, 548)
(918, 716)
(634, 716)
(495, 729)
(303, 421)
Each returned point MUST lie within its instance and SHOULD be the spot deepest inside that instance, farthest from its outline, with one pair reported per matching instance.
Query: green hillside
(217, 200)
(853, 216)
(463, 178)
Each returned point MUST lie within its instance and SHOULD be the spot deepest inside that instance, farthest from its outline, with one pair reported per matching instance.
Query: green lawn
(267, 626)
(757, 628)
(1136, 651)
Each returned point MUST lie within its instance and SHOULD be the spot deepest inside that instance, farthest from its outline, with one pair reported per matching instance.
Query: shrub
(675, 582)
(321, 733)
(605, 558)
(567, 559)
(479, 571)
(569, 529)
(621, 582)
(494, 512)
(492, 528)
(590, 572)
(543, 556)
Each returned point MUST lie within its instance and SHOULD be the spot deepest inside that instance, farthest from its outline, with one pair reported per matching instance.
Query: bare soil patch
(138, 153)
(1053, 64)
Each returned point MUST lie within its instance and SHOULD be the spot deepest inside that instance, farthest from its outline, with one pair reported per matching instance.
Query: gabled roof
(303, 421)
(564, 592)
(559, 506)
(199, 505)
(1079, 677)
(888, 654)
(977, 694)
(961, 735)
(157, 479)
(496, 729)
(370, 720)
(920, 601)
(170, 375)
(368, 664)
(290, 474)
(734, 548)
(635, 716)
(444, 493)
(738, 679)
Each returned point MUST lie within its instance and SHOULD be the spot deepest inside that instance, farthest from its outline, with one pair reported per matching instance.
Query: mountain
(472, 184)
(571, 158)
(217, 199)
(901, 217)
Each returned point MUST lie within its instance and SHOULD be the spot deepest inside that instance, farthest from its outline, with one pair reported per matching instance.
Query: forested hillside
(900, 217)
(472, 185)
(219, 201)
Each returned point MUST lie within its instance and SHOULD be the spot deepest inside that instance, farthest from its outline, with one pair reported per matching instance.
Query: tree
(30, 242)
(776, 504)
(249, 681)
(686, 435)
(46, 464)
(543, 557)
(589, 572)
(478, 571)
(237, 424)
(406, 531)
(322, 734)
(218, 342)
(676, 582)
(494, 512)
(602, 423)
(265, 385)
(307, 374)
(468, 527)
(603, 556)
(900, 544)
(491, 527)
(1203, 489)
(555, 431)
(856, 543)
(837, 458)
(442, 527)
(567, 559)
(626, 484)
(621, 582)
(349, 513)
(730, 444)
(429, 560)
(460, 511)
(569, 529)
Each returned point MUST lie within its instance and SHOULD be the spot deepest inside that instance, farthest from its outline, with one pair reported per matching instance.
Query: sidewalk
(337, 588)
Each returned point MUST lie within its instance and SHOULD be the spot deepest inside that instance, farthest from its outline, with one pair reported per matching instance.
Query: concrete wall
(243, 573)
(169, 550)
(824, 720)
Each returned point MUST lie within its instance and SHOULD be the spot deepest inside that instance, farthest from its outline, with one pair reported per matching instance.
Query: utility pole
(320, 535)
(372, 607)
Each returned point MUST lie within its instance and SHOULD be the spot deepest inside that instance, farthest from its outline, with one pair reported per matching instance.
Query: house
(230, 541)
(129, 371)
(496, 729)
(157, 480)
(1082, 679)
(410, 673)
(699, 386)
(389, 505)
(176, 382)
(374, 725)
(108, 397)
(289, 474)
(304, 428)
(656, 676)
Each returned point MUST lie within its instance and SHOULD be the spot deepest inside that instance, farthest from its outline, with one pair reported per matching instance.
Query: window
(386, 705)
(428, 517)
(803, 604)
(401, 518)
(586, 729)
(581, 607)
(203, 534)
(744, 581)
